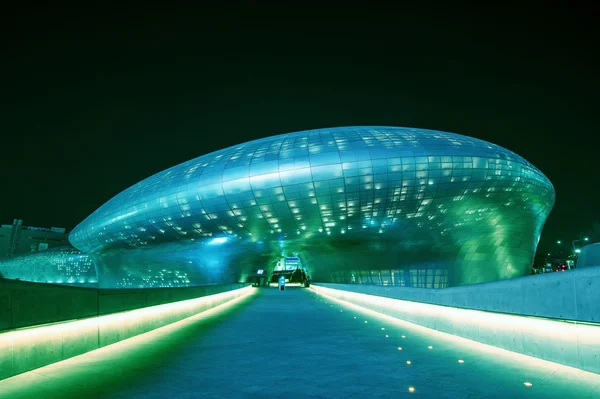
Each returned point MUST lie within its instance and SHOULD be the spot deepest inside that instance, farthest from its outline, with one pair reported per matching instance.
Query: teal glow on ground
(295, 344)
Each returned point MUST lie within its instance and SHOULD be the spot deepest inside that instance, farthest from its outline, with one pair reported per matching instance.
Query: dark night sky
(95, 100)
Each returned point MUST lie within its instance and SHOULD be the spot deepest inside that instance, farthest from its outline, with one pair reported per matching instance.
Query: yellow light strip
(527, 339)
(27, 349)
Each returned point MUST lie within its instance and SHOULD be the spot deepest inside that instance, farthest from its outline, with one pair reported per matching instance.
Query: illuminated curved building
(59, 265)
(374, 205)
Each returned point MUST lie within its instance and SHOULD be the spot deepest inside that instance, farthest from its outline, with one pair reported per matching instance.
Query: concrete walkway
(295, 344)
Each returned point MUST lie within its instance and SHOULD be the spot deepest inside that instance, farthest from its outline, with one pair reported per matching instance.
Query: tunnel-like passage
(298, 344)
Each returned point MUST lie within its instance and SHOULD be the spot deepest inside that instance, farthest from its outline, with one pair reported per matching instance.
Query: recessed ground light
(461, 361)
(430, 347)
(355, 317)
(404, 336)
(382, 328)
(399, 348)
(408, 362)
(341, 310)
(387, 336)
(527, 384)
(411, 389)
(366, 322)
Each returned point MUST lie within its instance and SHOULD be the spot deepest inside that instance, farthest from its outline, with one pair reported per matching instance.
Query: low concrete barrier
(117, 316)
(453, 311)
(24, 304)
(589, 256)
(570, 295)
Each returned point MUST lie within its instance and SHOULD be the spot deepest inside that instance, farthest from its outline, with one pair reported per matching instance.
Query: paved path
(295, 344)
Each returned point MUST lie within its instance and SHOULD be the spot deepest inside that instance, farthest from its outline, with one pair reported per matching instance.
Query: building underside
(370, 205)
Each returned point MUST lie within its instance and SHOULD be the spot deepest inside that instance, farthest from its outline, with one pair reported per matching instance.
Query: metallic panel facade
(377, 205)
(60, 265)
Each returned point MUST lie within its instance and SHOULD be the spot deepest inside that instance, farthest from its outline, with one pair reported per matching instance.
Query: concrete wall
(589, 256)
(24, 304)
(81, 320)
(571, 295)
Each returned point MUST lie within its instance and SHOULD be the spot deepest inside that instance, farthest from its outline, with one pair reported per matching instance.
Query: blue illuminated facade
(61, 265)
(374, 205)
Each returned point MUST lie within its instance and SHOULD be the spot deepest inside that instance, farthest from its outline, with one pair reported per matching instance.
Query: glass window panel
(265, 181)
(327, 172)
(296, 176)
(236, 186)
(326, 158)
(207, 179)
(262, 168)
(210, 191)
(235, 173)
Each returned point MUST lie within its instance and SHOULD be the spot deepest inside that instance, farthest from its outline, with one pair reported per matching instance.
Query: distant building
(16, 239)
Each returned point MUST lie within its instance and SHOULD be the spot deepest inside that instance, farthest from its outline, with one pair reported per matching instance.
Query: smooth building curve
(375, 205)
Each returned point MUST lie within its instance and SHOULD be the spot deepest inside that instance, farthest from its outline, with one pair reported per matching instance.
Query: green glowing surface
(295, 344)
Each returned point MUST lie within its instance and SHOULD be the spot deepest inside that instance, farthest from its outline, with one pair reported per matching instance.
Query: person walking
(281, 283)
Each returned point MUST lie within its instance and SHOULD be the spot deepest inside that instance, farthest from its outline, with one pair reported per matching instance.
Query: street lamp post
(558, 248)
(574, 241)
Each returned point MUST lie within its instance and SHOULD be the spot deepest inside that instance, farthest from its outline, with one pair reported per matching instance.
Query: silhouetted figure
(281, 283)
(298, 276)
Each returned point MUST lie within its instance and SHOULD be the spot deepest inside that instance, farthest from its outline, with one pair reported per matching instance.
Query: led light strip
(531, 339)
(26, 349)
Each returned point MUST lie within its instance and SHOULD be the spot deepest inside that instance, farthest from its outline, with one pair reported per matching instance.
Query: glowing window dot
(399, 348)
(387, 336)
(411, 389)
(408, 362)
